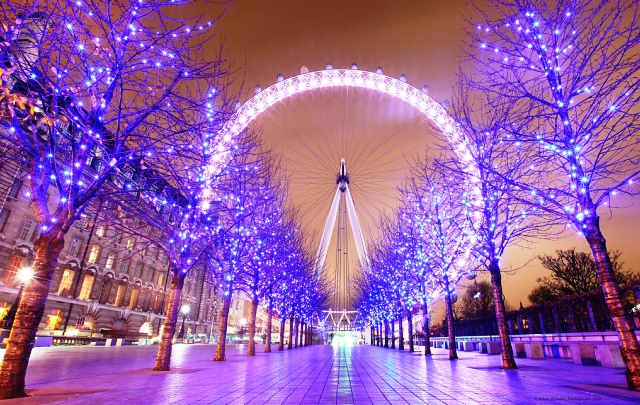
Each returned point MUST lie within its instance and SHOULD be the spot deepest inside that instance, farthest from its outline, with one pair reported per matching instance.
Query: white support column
(357, 232)
(328, 231)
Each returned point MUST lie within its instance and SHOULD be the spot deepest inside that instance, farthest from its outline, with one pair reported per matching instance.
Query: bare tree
(575, 273)
(499, 219)
(567, 73)
(439, 209)
(88, 86)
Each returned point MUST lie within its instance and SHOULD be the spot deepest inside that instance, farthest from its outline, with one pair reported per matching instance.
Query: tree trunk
(508, 360)
(400, 335)
(251, 348)
(296, 335)
(224, 320)
(386, 333)
(629, 347)
(290, 345)
(393, 334)
(163, 359)
(453, 353)
(283, 322)
(267, 346)
(28, 316)
(425, 328)
(410, 325)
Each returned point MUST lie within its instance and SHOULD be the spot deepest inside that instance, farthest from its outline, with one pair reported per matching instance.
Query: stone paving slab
(311, 375)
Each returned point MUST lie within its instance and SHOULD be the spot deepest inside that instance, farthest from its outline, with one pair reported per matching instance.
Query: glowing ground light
(342, 340)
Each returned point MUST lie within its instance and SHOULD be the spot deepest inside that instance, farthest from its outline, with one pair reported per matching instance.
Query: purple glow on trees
(567, 75)
(89, 86)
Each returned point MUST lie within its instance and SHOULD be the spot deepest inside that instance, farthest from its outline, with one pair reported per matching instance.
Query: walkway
(311, 375)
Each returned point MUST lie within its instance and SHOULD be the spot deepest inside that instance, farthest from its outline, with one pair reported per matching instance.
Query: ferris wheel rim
(328, 78)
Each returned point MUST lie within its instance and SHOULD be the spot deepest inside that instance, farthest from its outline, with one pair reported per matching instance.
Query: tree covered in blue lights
(567, 74)
(87, 88)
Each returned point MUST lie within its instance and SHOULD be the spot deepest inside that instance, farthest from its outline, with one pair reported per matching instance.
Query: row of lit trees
(548, 119)
(113, 106)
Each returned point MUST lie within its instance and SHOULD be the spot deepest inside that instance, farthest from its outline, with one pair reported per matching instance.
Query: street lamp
(185, 310)
(243, 322)
(24, 275)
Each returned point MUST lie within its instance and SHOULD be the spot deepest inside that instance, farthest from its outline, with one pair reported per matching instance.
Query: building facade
(105, 282)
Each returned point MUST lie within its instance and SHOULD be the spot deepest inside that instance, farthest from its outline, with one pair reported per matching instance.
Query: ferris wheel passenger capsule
(425, 89)
(257, 89)
(354, 66)
(279, 78)
(329, 66)
(403, 78)
(379, 70)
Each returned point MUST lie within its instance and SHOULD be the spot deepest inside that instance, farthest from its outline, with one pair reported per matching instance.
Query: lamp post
(24, 275)
(185, 310)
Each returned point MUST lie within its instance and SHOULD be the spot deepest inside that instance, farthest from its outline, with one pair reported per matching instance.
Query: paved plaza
(310, 375)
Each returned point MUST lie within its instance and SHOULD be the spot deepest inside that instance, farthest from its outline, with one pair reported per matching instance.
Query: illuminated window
(157, 303)
(54, 319)
(160, 278)
(95, 254)
(131, 243)
(110, 259)
(135, 294)
(4, 218)
(27, 229)
(122, 289)
(102, 230)
(65, 284)
(87, 285)
(83, 323)
(14, 265)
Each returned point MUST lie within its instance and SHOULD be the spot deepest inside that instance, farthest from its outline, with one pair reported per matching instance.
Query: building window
(131, 243)
(74, 249)
(160, 278)
(110, 259)
(157, 303)
(83, 323)
(65, 284)
(14, 265)
(135, 294)
(87, 285)
(95, 254)
(150, 275)
(54, 319)
(125, 265)
(102, 230)
(105, 289)
(118, 238)
(122, 289)
(27, 229)
(138, 271)
(4, 218)
(14, 190)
